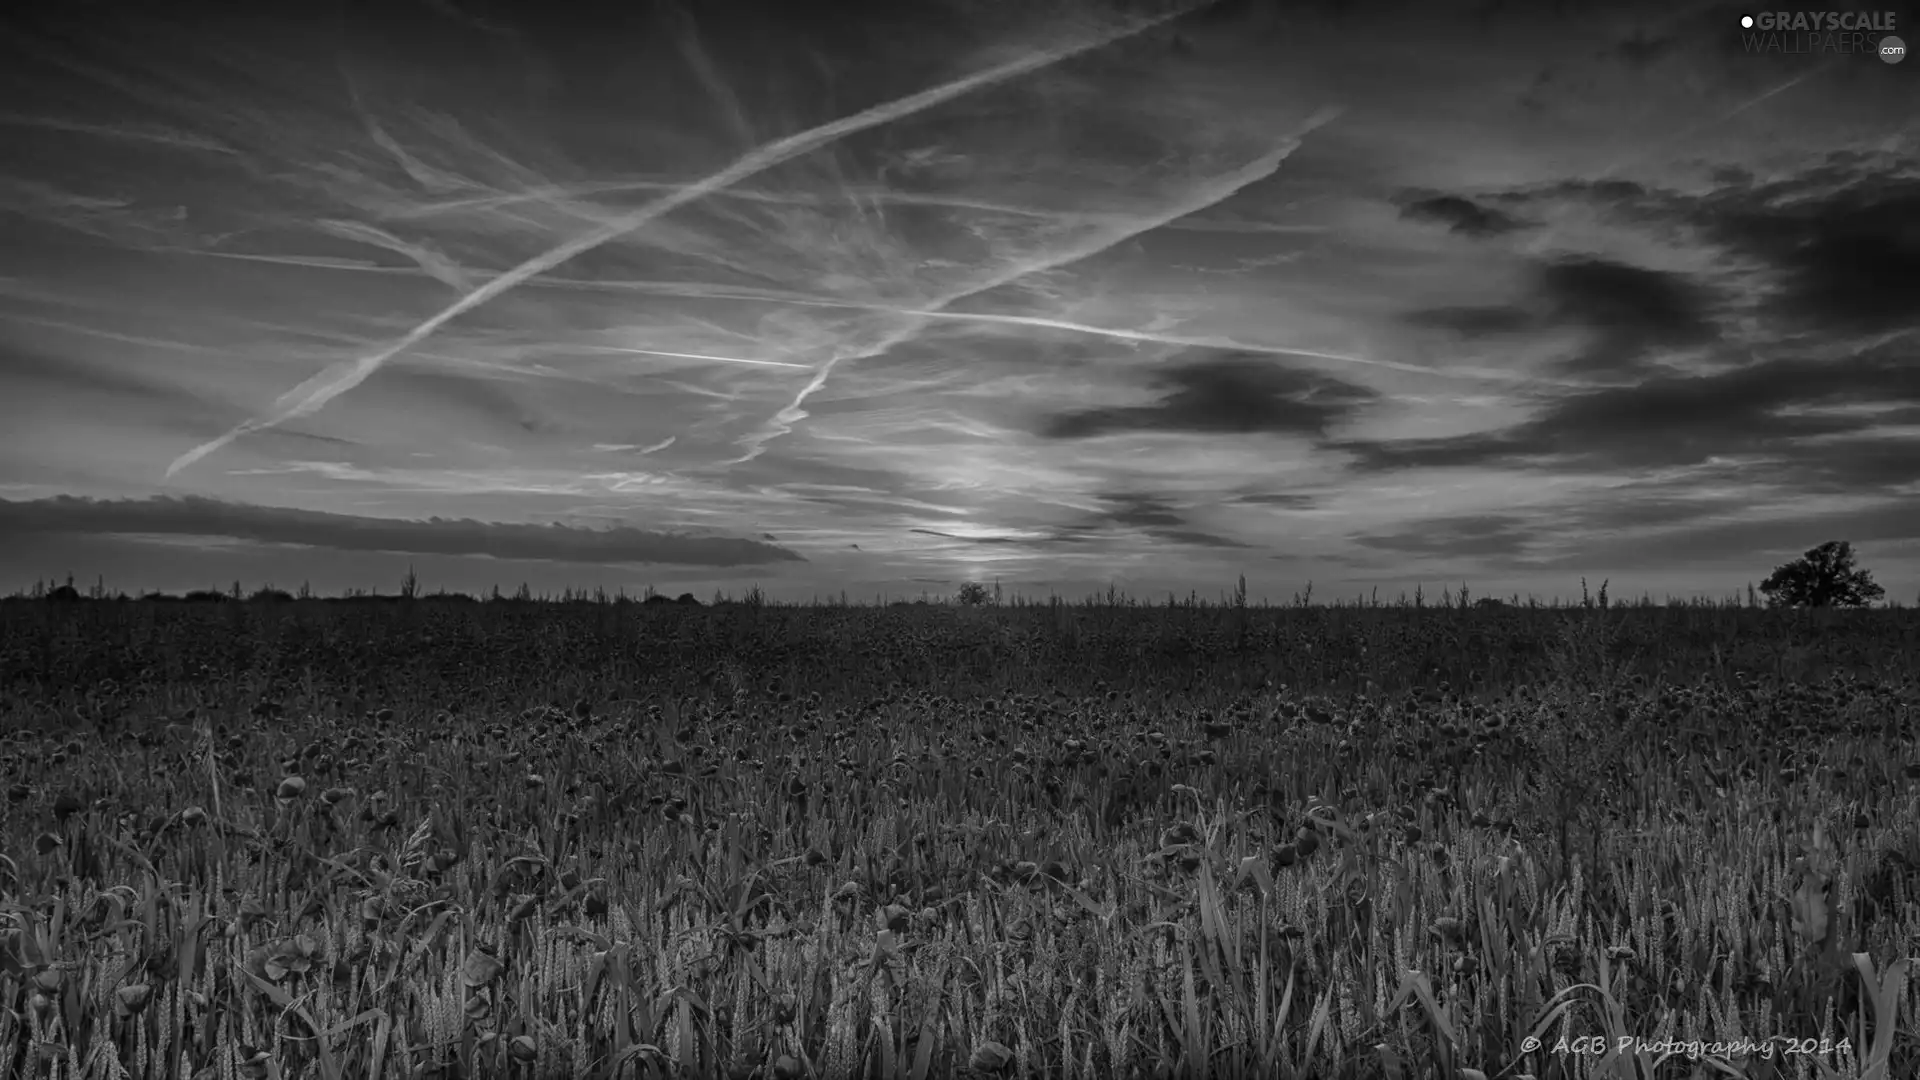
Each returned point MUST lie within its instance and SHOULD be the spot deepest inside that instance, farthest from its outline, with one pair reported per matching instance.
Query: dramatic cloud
(192, 516)
(1227, 393)
(1049, 294)
(1629, 310)
(1459, 215)
(1787, 413)
(1833, 239)
(1846, 259)
(1283, 499)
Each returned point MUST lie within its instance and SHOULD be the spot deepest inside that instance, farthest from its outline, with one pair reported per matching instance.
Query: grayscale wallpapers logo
(1810, 32)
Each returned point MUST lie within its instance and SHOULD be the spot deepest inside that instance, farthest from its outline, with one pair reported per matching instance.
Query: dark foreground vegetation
(433, 838)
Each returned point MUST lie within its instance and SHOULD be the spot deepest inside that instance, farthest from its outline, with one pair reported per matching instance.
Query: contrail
(1209, 194)
(426, 256)
(163, 136)
(1180, 341)
(555, 193)
(1781, 89)
(339, 378)
(769, 296)
(699, 356)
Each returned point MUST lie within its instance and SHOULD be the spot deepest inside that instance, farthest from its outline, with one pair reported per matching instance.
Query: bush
(973, 594)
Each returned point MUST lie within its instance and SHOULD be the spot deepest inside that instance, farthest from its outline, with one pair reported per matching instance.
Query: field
(423, 838)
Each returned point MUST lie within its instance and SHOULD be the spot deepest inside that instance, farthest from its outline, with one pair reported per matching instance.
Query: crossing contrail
(559, 193)
(698, 356)
(1152, 337)
(339, 378)
(1214, 191)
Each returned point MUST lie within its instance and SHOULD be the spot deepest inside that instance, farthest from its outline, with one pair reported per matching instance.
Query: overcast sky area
(887, 297)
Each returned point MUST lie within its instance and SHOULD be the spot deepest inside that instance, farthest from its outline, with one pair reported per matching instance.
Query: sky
(881, 298)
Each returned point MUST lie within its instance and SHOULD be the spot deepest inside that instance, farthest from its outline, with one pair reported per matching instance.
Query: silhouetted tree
(974, 593)
(1824, 577)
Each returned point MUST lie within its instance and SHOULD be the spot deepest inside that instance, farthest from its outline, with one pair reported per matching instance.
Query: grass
(434, 839)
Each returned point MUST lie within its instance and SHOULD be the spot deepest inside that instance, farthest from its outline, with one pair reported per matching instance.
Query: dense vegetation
(350, 839)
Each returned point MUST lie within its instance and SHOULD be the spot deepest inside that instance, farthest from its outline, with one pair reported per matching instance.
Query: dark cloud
(1841, 236)
(1768, 410)
(194, 516)
(1140, 511)
(1637, 528)
(1471, 535)
(1608, 194)
(1156, 517)
(1762, 541)
(1289, 500)
(1850, 464)
(1225, 393)
(1631, 311)
(1626, 299)
(1463, 216)
(979, 539)
(1847, 257)
(1653, 504)
(1196, 538)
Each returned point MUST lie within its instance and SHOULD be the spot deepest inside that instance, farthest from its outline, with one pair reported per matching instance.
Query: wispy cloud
(635, 448)
(193, 516)
(1203, 195)
(1225, 394)
(317, 391)
(1559, 292)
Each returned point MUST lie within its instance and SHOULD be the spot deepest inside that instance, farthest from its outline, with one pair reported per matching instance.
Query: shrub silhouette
(1824, 577)
(973, 593)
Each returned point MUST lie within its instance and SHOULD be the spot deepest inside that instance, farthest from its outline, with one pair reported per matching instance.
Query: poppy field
(429, 838)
